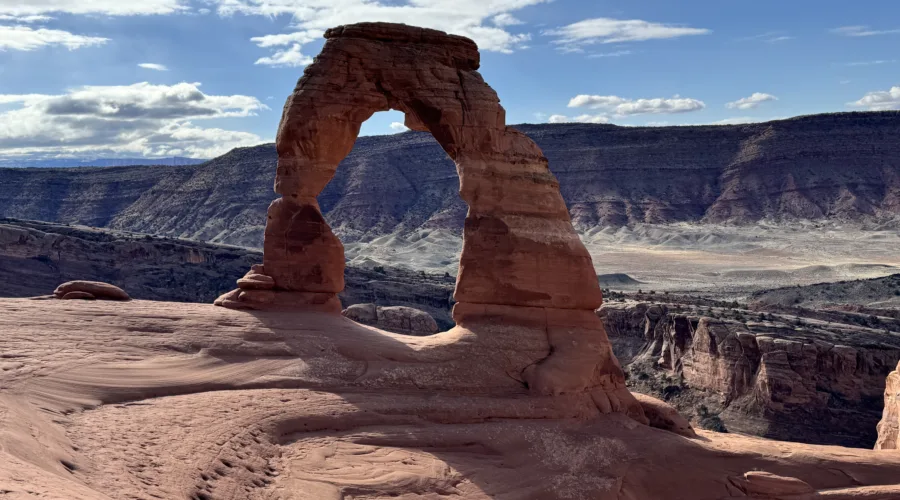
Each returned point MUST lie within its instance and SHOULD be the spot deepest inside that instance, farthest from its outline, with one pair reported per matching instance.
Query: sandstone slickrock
(889, 427)
(522, 262)
(398, 319)
(148, 399)
(90, 289)
(821, 383)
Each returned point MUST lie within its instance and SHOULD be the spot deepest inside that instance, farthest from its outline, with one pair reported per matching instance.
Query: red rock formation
(398, 319)
(90, 290)
(522, 263)
(889, 428)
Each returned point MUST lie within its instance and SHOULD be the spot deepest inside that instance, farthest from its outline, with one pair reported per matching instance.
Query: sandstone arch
(522, 267)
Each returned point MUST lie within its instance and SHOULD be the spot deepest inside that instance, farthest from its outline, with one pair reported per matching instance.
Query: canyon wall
(836, 167)
(889, 427)
(818, 383)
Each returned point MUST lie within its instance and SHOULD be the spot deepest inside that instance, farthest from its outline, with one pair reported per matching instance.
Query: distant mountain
(837, 167)
(29, 162)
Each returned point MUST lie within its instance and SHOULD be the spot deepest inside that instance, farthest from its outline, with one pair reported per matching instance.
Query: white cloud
(153, 66)
(301, 37)
(871, 63)
(751, 102)
(883, 100)
(145, 119)
(26, 38)
(622, 107)
(291, 57)
(586, 118)
(618, 53)
(770, 37)
(859, 31)
(21, 8)
(740, 120)
(24, 19)
(506, 19)
(573, 37)
(398, 127)
(485, 21)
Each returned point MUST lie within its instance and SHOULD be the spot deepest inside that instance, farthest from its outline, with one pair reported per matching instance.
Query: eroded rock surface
(397, 319)
(819, 382)
(523, 269)
(889, 427)
(181, 401)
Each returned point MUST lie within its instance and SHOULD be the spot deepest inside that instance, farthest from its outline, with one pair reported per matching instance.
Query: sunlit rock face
(889, 428)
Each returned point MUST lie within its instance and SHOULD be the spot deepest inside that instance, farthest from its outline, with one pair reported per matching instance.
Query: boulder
(99, 291)
(664, 416)
(398, 319)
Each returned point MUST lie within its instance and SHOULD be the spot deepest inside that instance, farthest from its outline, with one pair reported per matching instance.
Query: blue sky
(199, 77)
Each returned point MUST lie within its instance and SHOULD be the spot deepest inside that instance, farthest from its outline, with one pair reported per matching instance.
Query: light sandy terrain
(714, 259)
(145, 400)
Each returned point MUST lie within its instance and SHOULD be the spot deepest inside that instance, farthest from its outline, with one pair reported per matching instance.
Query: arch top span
(522, 262)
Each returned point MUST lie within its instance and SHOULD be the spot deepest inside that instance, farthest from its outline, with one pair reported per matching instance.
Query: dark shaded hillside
(838, 167)
(35, 257)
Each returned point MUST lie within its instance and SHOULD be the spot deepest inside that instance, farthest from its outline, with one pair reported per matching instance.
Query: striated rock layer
(827, 167)
(820, 383)
(889, 427)
(523, 267)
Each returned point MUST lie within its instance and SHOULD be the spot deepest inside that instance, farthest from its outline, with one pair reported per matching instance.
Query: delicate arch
(519, 245)
(523, 267)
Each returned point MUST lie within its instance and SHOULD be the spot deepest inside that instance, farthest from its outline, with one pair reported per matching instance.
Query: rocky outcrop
(819, 383)
(89, 290)
(663, 416)
(397, 319)
(889, 427)
(522, 262)
(824, 167)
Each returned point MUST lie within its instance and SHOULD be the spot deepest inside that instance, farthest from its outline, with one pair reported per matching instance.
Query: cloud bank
(144, 119)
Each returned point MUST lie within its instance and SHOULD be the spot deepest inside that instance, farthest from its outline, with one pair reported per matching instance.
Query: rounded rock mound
(90, 290)
(397, 319)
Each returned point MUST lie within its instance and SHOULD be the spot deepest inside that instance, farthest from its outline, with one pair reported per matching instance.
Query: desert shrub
(670, 391)
(710, 421)
(713, 423)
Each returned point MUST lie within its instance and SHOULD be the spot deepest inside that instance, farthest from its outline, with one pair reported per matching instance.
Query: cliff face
(816, 384)
(841, 166)
(889, 427)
